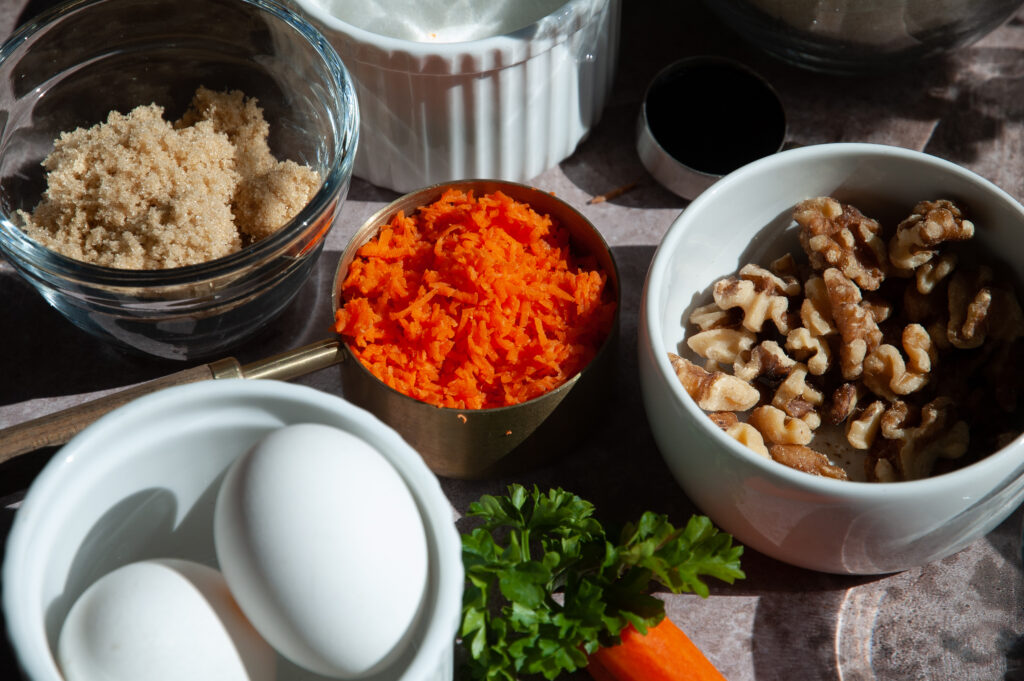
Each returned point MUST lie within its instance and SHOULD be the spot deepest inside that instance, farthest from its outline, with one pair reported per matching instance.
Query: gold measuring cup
(457, 443)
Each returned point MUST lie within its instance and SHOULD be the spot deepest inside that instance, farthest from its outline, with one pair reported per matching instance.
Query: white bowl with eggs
(836, 526)
(311, 521)
(473, 88)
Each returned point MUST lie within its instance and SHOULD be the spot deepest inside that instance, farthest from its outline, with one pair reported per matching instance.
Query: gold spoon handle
(59, 427)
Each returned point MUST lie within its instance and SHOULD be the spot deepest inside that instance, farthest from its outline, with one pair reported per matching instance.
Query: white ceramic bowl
(505, 106)
(141, 483)
(822, 524)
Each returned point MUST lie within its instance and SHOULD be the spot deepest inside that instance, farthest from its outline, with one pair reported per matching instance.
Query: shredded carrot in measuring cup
(474, 303)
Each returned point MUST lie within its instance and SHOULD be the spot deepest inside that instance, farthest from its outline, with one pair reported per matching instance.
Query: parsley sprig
(545, 586)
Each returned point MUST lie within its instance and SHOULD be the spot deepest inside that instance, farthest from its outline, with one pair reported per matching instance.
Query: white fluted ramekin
(505, 107)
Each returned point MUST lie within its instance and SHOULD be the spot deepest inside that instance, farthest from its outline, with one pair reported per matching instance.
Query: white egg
(161, 620)
(324, 549)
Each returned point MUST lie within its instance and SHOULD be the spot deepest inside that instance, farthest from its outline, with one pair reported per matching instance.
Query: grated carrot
(473, 303)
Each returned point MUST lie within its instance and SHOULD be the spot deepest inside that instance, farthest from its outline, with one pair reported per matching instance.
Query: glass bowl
(863, 36)
(74, 64)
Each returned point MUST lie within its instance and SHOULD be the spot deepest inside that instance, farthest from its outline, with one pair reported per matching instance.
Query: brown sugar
(138, 192)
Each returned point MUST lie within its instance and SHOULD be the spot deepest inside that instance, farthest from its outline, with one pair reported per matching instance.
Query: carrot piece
(664, 654)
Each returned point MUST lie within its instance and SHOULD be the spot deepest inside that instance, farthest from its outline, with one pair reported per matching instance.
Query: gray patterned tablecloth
(960, 618)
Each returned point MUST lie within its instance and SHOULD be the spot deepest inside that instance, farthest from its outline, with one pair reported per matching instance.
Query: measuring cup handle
(59, 427)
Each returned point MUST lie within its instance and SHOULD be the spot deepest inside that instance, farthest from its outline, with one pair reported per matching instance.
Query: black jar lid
(702, 118)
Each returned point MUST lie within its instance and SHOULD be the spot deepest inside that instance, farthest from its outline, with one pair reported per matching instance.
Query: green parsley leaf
(545, 586)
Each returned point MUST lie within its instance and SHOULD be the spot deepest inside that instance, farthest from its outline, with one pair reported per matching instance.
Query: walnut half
(909, 452)
(931, 223)
(805, 459)
(886, 373)
(714, 391)
(744, 433)
(838, 235)
(855, 322)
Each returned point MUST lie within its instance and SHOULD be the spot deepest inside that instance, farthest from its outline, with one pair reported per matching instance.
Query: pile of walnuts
(900, 339)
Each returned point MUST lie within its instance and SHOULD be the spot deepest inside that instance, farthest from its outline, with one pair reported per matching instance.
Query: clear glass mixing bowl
(73, 65)
(861, 36)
